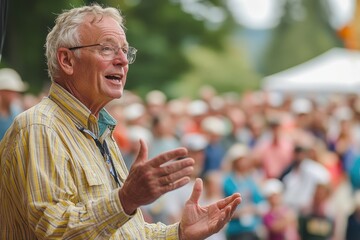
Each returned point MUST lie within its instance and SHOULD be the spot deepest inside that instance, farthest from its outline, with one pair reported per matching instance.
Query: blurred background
(184, 44)
(279, 77)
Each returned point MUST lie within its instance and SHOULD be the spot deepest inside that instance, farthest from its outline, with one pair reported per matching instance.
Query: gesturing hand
(200, 222)
(149, 179)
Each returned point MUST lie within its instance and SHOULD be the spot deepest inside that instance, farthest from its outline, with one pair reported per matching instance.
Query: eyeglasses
(109, 51)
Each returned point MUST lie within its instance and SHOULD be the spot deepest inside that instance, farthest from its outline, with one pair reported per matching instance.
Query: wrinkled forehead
(96, 26)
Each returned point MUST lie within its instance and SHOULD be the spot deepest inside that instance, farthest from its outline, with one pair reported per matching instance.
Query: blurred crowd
(295, 159)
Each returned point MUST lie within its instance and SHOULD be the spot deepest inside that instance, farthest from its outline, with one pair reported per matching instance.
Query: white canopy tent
(335, 71)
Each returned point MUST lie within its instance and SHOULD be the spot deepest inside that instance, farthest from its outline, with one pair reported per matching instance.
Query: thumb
(197, 190)
(142, 153)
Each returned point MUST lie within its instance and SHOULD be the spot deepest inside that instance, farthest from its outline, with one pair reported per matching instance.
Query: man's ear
(66, 60)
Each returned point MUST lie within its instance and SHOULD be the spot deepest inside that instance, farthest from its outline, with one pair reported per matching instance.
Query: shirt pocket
(92, 178)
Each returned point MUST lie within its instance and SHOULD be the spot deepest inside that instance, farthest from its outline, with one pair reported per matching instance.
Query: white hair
(65, 32)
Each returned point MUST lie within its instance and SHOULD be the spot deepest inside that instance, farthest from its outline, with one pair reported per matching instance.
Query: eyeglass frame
(130, 54)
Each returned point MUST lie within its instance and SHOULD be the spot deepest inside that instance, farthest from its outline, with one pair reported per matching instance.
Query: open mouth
(114, 77)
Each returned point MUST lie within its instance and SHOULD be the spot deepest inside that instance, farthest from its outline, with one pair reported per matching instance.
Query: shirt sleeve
(39, 163)
(162, 231)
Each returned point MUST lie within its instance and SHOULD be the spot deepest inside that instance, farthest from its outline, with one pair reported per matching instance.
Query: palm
(200, 222)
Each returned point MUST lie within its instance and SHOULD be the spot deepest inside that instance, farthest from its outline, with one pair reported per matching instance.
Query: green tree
(303, 33)
(226, 70)
(162, 31)
(27, 27)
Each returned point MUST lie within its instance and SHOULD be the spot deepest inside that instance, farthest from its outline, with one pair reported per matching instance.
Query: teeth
(113, 77)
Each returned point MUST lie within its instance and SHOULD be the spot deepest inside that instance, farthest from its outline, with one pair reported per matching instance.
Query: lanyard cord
(105, 152)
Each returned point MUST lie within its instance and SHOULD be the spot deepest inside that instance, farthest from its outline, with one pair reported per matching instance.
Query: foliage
(28, 24)
(226, 70)
(159, 29)
(181, 46)
(303, 33)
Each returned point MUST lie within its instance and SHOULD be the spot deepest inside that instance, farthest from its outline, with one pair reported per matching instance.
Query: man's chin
(118, 94)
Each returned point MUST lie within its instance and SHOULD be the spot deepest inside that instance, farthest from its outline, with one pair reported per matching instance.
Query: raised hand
(149, 179)
(200, 222)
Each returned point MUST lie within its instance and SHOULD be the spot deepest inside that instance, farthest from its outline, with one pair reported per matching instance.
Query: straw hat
(10, 80)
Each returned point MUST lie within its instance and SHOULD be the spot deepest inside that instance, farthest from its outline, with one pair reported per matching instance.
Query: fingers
(228, 206)
(225, 202)
(175, 166)
(176, 174)
(175, 185)
(196, 193)
(167, 156)
(228, 211)
(233, 207)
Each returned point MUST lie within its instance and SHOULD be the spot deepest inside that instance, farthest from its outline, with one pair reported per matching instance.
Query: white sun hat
(235, 152)
(214, 125)
(272, 186)
(301, 106)
(10, 80)
(134, 111)
(197, 108)
(156, 97)
(194, 141)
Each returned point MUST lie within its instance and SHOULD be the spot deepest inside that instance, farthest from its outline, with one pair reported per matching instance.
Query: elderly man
(63, 176)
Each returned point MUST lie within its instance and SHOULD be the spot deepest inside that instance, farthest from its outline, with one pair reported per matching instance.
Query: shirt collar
(105, 121)
(79, 113)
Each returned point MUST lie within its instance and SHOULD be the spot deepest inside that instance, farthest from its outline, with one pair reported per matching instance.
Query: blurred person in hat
(196, 144)
(214, 128)
(239, 127)
(197, 111)
(164, 131)
(317, 221)
(63, 175)
(274, 151)
(302, 177)
(11, 88)
(279, 220)
(246, 222)
(300, 126)
(155, 102)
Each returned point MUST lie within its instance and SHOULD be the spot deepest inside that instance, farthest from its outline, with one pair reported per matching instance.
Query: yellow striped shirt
(55, 183)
